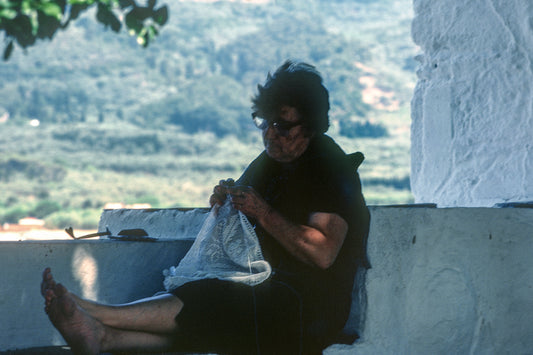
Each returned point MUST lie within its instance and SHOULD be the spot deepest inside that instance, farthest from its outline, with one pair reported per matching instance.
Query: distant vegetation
(24, 22)
(115, 122)
(353, 129)
(199, 75)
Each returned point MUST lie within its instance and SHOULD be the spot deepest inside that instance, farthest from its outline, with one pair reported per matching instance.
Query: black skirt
(233, 318)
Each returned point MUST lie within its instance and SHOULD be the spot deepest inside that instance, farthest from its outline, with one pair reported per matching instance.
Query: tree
(25, 21)
(353, 129)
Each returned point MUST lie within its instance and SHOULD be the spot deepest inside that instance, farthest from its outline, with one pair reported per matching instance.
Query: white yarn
(226, 248)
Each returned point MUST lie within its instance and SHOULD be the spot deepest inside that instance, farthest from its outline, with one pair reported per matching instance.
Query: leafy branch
(25, 21)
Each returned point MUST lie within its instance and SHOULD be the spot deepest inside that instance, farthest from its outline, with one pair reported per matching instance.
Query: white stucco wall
(448, 281)
(102, 270)
(443, 281)
(169, 223)
(472, 112)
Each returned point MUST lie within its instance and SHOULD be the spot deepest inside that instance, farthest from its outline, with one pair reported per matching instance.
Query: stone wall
(472, 113)
(102, 270)
(443, 281)
(448, 281)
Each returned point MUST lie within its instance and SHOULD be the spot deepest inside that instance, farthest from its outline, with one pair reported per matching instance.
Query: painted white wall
(443, 281)
(169, 223)
(448, 281)
(472, 112)
(102, 270)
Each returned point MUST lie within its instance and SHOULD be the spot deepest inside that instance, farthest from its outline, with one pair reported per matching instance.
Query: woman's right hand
(220, 192)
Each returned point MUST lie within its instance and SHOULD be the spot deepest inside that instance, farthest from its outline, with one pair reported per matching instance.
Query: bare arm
(316, 243)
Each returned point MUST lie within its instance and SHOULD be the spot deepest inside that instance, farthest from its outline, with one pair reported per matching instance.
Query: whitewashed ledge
(443, 281)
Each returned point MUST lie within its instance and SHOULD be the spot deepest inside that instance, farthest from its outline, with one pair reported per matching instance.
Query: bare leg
(125, 340)
(87, 334)
(154, 314)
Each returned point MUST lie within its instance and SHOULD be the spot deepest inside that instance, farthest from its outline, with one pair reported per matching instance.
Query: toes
(45, 286)
(47, 274)
(49, 295)
(48, 281)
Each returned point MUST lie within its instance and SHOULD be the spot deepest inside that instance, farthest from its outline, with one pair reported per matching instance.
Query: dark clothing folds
(226, 317)
(321, 180)
(300, 307)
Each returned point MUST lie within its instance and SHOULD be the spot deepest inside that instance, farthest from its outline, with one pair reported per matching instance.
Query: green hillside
(114, 122)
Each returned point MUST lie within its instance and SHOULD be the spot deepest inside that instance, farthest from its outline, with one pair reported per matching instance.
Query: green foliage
(163, 126)
(41, 209)
(45, 208)
(213, 103)
(26, 21)
(144, 198)
(199, 75)
(31, 169)
(403, 183)
(13, 215)
(77, 219)
(354, 129)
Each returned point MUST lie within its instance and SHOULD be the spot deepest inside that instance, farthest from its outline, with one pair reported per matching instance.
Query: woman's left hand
(248, 201)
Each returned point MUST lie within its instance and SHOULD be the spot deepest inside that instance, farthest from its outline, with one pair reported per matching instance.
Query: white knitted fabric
(226, 248)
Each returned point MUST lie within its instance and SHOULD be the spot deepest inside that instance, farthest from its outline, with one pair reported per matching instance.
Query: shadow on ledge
(52, 350)
(65, 350)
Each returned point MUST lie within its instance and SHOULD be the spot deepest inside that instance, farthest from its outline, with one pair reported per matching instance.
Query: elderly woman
(304, 197)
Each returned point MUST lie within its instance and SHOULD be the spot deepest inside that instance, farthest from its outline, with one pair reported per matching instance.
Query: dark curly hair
(299, 85)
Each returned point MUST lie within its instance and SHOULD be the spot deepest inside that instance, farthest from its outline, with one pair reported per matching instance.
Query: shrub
(14, 214)
(77, 219)
(45, 208)
(31, 169)
(353, 129)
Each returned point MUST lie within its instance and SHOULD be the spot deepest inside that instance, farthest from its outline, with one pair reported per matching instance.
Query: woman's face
(281, 147)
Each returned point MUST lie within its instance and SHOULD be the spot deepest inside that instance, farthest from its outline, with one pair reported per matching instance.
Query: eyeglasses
(282, 127)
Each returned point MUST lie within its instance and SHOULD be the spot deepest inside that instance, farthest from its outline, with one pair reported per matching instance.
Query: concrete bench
(443, 281)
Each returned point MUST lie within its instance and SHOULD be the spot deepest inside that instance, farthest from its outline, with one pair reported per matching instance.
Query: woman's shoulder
(327, 156)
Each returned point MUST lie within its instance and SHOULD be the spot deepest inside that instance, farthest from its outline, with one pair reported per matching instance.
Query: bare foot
(48, 285)
(83, 333)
